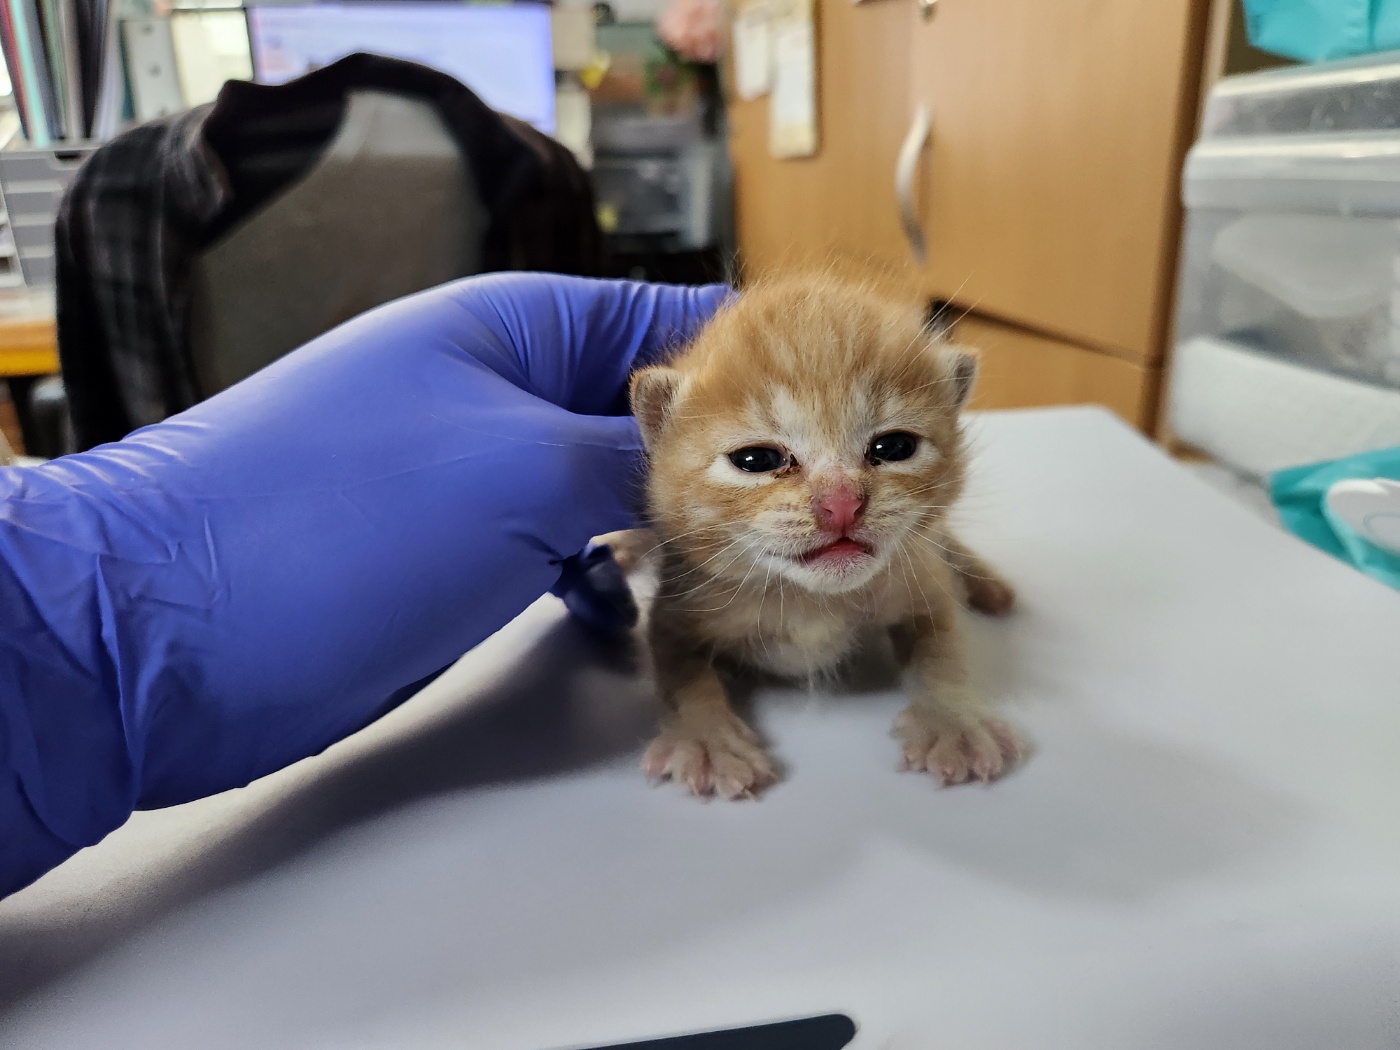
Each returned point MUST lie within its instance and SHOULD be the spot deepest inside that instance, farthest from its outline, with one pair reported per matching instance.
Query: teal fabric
(1386, 32)
(1317, 30)
(1300, 494)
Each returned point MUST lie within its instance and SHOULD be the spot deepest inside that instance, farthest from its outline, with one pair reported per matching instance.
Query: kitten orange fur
(804, 452)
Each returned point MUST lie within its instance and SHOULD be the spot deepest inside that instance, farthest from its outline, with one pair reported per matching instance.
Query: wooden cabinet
(1020, 369)
(1049, 183)
(842, 200)
(1046, 193)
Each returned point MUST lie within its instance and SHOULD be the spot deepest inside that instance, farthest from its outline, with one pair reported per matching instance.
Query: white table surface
(1204, 851)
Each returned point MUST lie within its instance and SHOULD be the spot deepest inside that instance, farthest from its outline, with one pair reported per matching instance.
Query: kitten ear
(653, 392)
(961, 368)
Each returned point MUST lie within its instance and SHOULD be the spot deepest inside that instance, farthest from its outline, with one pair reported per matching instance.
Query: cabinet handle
(905, 171)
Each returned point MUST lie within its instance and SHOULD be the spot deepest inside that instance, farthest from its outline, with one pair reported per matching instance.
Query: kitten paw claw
(724, 761)
(958, 748)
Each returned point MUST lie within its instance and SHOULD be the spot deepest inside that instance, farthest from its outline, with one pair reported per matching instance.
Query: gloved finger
(603, 485)
(574, 341)
(409, 571)
(571, 341)
(27, 847)
(595, 591)
(262, 584)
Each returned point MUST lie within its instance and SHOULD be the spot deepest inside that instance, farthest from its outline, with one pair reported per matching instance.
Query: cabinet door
(1020, 369)
(1049, 187)
(841, 200)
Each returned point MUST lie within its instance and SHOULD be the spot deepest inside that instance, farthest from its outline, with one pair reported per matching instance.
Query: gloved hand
(239, 587)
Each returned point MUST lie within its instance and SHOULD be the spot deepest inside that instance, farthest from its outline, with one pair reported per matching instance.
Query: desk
(28, 340)
(1203, 851)
(28, 350)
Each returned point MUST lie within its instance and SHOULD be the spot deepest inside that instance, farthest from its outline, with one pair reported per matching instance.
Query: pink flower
(691, 28)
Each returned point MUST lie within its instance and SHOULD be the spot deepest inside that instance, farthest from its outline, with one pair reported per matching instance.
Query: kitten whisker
(950, 302)
(908, 585)
(715, 579)
(914, 573)
(763, 637)
(675, 539)
(968, 309)
(718, 554)
(735, 594)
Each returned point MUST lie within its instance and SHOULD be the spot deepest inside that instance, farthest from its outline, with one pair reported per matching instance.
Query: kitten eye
(758, 459)
(892, 447)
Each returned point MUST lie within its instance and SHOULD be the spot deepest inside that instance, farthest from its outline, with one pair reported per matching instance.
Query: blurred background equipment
(1288, 308)
(64, 66)
(195, 249)
(242, 198)
(503, 53)
(1287, 341)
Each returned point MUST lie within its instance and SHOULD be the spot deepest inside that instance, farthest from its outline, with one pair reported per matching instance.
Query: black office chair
(354, 185)
(389, 208)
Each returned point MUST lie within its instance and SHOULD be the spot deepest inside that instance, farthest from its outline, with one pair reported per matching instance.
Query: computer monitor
(503, 53)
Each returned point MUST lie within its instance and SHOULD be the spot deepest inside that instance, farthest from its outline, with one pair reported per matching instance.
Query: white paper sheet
(792, 119)
(753, 52)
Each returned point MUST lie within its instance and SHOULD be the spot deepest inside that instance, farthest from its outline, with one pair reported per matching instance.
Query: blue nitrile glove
(239, 587)
(596, 592)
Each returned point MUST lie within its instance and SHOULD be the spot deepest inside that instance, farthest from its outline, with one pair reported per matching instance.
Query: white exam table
(1203, 852)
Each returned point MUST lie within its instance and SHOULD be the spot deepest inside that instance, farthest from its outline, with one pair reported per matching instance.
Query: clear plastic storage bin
(1292, 241)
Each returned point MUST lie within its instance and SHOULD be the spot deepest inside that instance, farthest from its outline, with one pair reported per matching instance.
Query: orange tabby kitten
(804, 451)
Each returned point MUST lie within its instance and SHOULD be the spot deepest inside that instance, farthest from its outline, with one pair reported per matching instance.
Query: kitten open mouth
(838, 552)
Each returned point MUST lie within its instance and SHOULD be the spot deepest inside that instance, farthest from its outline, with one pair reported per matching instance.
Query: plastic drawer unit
(1288, 317)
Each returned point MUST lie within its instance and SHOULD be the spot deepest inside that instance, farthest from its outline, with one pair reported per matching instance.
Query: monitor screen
(502, 53)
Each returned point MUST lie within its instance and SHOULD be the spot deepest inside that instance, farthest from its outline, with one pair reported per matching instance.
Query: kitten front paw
(958, 747)
(990, 594)
(724, 758)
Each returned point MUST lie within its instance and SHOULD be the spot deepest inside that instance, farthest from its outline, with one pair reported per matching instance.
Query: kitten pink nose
(837, 508)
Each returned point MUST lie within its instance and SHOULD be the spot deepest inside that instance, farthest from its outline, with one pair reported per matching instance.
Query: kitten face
(809, 434)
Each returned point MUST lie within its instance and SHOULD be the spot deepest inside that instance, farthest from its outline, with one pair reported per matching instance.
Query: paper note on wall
(792, 118)
(753, 52)
(573, 121)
